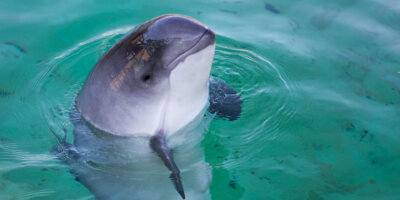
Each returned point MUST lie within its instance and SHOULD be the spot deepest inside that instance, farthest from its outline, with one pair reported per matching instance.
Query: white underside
(188, 90)
(174, 106)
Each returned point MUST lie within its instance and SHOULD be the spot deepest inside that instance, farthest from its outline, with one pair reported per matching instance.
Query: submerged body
(124, 168)
(146, 96)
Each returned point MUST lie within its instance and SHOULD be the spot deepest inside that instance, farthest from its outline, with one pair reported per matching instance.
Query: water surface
(320, 81)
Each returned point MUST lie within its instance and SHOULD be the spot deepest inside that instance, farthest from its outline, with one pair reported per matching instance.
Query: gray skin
(134, 71)
(133, 74)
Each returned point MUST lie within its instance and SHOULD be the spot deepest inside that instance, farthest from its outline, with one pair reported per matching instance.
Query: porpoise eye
(146, 78)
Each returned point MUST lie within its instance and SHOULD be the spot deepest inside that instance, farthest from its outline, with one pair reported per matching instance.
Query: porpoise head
(155, 77)
(153, 82)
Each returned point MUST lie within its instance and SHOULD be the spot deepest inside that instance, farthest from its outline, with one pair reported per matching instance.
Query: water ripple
(266, 92)
(64, 75)
(258, 80)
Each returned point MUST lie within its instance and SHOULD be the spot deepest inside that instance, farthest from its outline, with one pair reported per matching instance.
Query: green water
(320, 81)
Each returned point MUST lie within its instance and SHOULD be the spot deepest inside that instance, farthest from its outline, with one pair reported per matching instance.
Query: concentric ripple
(264, 88)
(65, 74)
(266, 93)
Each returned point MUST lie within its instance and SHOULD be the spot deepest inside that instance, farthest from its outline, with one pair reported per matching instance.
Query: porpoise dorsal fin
(159, 145)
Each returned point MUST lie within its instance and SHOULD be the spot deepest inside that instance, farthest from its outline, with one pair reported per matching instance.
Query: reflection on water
(116, 167)
(319, 80)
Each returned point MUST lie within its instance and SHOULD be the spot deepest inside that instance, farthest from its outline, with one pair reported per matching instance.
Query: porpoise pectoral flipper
(159, 145)
(224, 100)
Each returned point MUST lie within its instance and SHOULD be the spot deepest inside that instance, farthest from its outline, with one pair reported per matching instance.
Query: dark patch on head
(271, 8)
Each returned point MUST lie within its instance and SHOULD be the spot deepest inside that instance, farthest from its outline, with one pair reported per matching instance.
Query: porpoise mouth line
(190, 48)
